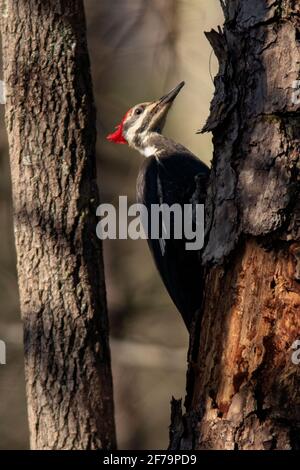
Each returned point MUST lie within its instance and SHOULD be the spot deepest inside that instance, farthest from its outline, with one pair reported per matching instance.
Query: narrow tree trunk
(243, 388)
(50, 120)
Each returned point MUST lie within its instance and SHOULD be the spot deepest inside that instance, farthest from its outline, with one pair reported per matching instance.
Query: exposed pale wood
(246, 386)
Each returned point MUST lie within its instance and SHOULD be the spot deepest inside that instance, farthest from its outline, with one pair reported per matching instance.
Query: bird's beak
(170, 97)
(162, 107)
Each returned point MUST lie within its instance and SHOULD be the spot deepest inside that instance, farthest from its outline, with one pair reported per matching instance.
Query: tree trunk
(243, 388)
(50, 120)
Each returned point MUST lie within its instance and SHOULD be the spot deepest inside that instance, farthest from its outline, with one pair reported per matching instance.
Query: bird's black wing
(177, 178)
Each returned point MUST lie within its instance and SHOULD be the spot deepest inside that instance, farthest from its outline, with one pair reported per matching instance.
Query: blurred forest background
(139, 49)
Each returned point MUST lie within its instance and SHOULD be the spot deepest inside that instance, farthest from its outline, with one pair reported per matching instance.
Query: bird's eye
(138, 111)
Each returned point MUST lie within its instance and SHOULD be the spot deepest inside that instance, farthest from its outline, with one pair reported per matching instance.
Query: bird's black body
(176, 176)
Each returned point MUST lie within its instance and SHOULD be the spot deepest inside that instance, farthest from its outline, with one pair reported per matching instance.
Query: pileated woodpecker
(170, 174)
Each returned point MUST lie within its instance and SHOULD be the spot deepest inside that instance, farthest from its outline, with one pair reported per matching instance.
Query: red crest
(117, 136)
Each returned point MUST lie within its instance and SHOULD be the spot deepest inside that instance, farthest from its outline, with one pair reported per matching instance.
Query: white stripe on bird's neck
(151, 144)
(149, 151)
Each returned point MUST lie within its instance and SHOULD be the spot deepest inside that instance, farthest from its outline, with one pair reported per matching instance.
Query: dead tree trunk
(50, 120)
(243, 388)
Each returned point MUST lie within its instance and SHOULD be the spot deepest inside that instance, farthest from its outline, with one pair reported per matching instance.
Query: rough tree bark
(242, 386)
(50, 120)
